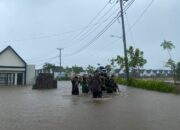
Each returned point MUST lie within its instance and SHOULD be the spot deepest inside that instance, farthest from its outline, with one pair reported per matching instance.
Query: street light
(125, 57)
(114, 36)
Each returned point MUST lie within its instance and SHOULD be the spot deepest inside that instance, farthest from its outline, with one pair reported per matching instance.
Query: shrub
(154, 85)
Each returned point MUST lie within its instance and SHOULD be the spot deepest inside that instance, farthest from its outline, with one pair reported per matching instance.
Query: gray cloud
(23, 19)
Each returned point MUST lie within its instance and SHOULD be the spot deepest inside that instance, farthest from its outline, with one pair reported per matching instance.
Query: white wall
(30, 75)
(13, 69)
(8, 58)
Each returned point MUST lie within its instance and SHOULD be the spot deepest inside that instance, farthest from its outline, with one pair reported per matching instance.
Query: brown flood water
(22, 108)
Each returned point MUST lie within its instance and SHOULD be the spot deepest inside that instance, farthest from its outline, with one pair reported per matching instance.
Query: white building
(14, 70)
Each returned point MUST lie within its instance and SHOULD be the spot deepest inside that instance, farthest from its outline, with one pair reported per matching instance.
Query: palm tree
(167, 45)
(48, 67)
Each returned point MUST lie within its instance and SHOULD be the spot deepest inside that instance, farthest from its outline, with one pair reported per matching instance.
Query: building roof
(9, 47)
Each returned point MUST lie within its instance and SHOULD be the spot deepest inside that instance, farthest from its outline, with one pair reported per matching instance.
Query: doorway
(20, 79)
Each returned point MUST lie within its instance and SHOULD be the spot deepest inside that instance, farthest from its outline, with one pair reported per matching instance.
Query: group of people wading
(95, 84)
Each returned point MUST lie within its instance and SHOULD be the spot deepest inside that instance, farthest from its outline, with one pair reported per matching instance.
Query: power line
(138, 19)
(107, 45)
(131, 33)
(90, 32)
(91, 24)
(128, 4)
(59, 34)
(44, 37)
(97, 36)
(96, 27)
(44, 59)
(99, 21)
(145, 10)
(50, 61)
(92, 29)
(91, 21)
(100, 33)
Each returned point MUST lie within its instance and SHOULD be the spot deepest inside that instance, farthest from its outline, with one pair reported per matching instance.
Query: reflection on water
(22, 108)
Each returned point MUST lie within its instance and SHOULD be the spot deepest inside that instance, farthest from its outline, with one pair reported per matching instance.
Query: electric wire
(96, 37)
(44, 37)
(39, 60)
(142, 14)
(92, 29)
(100, 33)
(128, 5)
(76, 36)
(59, 34)
(85, 36)
(97, 27)
(131, 33)
(99, 21)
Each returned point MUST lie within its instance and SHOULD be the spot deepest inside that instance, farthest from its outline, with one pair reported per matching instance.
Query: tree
(167, 45)
(77, 69)
(120, 61)
(136, 59)
(68, 70)
(48, 67)
(171, 64)
(108, 68)
(90, 69)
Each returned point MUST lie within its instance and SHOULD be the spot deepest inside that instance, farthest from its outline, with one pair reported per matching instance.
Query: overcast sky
(34, 29)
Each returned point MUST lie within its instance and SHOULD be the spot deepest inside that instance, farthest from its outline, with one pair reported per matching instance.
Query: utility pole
(60, 49)
(124, 40)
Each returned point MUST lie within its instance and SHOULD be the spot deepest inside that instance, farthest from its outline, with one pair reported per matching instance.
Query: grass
(154, 85)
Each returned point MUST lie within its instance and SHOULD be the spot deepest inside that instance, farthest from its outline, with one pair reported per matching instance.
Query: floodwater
(22, 108)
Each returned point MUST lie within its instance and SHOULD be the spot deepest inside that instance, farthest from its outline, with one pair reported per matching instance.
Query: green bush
(148, 84)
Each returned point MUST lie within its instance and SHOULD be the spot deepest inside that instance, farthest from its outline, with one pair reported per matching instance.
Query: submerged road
(22, 108)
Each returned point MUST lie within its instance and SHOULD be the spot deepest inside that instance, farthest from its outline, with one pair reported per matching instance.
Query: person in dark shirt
(75, 86)
(114, 84)
(96, 86)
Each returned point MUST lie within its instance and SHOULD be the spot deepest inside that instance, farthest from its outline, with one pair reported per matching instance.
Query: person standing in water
(84, 85)
(96, 86)
(75, 86)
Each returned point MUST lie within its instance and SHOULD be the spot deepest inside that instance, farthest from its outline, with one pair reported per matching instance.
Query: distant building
(55, 71)
(155, 73)
(14, 70)
(145, 73)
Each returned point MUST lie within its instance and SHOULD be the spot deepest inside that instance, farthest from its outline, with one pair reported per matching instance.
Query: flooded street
(22, 108)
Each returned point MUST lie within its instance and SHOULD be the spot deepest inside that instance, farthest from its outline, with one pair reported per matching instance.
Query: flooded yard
(22, 108)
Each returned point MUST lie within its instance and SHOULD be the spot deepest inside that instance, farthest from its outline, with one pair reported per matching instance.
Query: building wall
(8, 58)
(12, 78)
(30, 74)
(12, 69)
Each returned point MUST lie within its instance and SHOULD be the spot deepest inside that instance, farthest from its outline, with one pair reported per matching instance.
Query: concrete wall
(12, 69)
(30, 75)
(8, 58)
